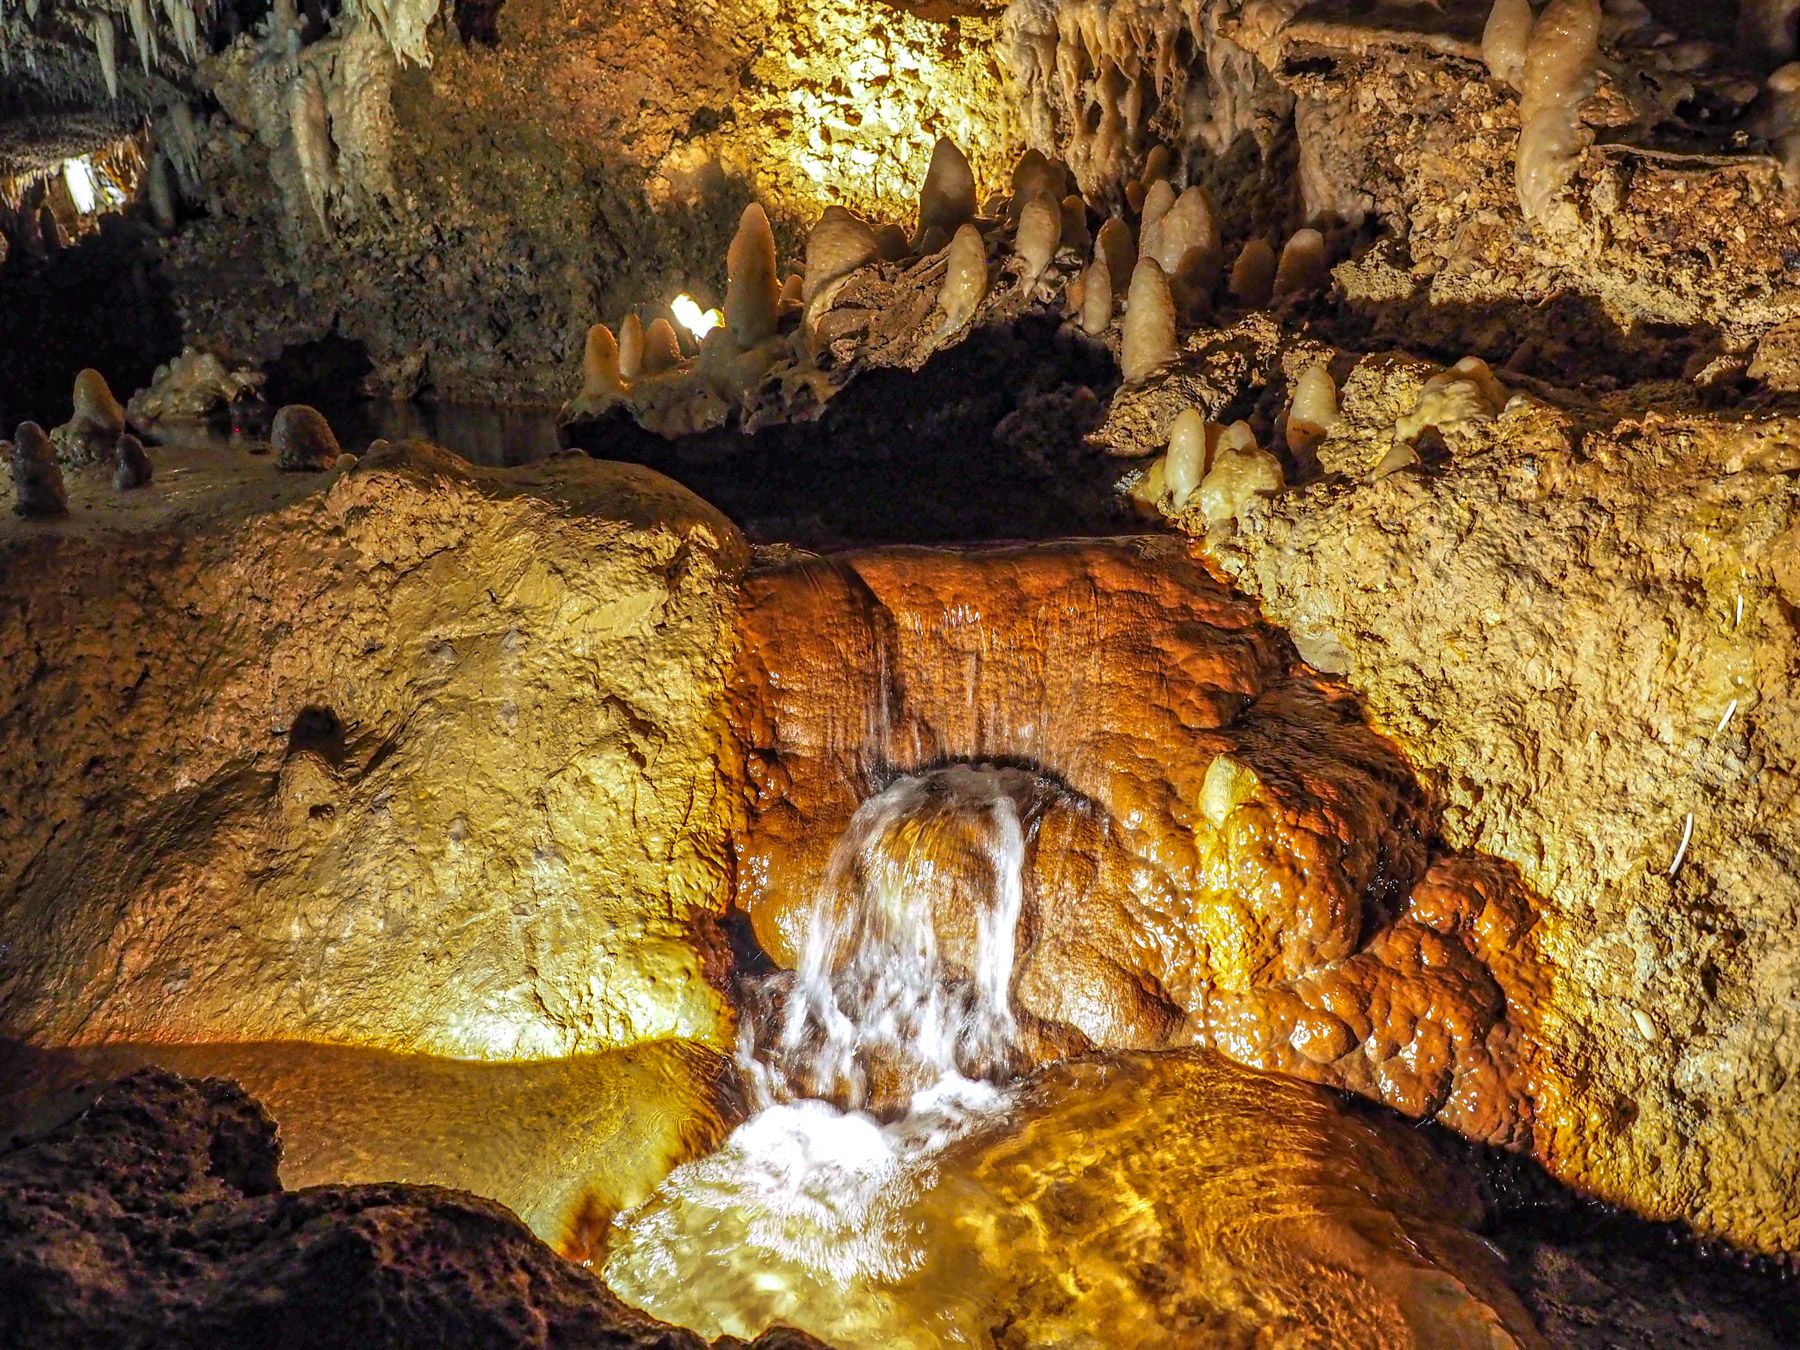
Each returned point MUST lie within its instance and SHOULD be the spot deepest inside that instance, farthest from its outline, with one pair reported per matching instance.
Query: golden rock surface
(1580, 624)
(419, 757)
(1250, 868)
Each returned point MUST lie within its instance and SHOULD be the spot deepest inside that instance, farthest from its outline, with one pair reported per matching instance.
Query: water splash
(893, 1039)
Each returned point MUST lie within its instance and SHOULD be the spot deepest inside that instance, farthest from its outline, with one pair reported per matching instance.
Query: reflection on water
(479, 433)
(1142, 1200)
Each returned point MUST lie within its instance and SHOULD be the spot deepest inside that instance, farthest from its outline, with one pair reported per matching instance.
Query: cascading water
(897, 1185)
(863, 1065)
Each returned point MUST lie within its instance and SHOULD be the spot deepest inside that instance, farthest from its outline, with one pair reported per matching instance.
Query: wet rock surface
(153, 1215)
(1253, 870)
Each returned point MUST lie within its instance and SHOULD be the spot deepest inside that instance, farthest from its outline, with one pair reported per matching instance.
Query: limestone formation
(158, 1218)
(1187, 459)
(1240, 470)
(489, 715)
(132, 466)
(1113, 244)
(1096, 298)
(662, 347)
(1304, 265)
(752, 288)
(1504, 39)
(1148, 341)
(1558, 78)
(1602, 655)
(965, 279)
(1149, 922)
(302, 439)
(36, 480)
(838, 244)
(90, 433)
(1040, 231)
(631, 347)
(947, 197)
(1252, 281)
(193, 386)
(1312, 411)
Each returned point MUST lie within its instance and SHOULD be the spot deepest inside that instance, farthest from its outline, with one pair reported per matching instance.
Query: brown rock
(1219, 849)
(152, 1217)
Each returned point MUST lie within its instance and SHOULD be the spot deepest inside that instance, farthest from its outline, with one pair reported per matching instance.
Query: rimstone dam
(900, 674)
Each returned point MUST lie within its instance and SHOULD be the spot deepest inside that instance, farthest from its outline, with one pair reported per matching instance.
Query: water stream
(898, 1185)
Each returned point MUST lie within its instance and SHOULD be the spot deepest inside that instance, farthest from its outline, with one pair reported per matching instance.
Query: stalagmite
(838, 245)
(1303, 267)
(1186, 245)
(947, 199)
(1032, 175)
(1766, 30)
(752, 286)
(1561, 61)
(97, 412)
(1040, 231)
(1314, 410)
(1096, 298)
(791, 291)
(965, 279)
(1114, 243)
(1253, 275)
(37, 481)
(1148, 341)
(303, 441)
(1504, 39)
(1465, 392)
(662, 348)
(631, 346)
(890, 241)
(602, 378)
(132, 466)
(1158, 201)
(1240, 470)
(1778, 121)
(1186, 463)
(160, 193)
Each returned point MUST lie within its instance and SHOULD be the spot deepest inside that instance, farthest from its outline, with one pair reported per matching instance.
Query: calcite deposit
(1252, 869)
(418, 757)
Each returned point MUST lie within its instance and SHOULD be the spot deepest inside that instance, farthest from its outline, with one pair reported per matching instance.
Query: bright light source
(697, 321)
(83, 186)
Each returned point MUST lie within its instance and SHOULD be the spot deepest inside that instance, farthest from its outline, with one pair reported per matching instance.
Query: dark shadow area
(1600, 1278)
(102, 302)
(321, 371)
(478, 21)
(984, 442)
(1569, 341)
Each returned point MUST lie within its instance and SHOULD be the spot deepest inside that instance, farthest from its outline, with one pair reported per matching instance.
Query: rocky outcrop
(418, 757)
(152, 1216)
(1219, 851)
(1580, 626)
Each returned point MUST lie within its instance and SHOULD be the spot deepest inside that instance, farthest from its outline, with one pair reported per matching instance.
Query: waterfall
(894, 1038)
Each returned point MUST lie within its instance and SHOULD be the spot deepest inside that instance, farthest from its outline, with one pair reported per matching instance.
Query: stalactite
(1561, 63)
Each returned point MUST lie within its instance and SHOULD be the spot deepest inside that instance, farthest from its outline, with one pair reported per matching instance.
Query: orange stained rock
(1219, 850)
